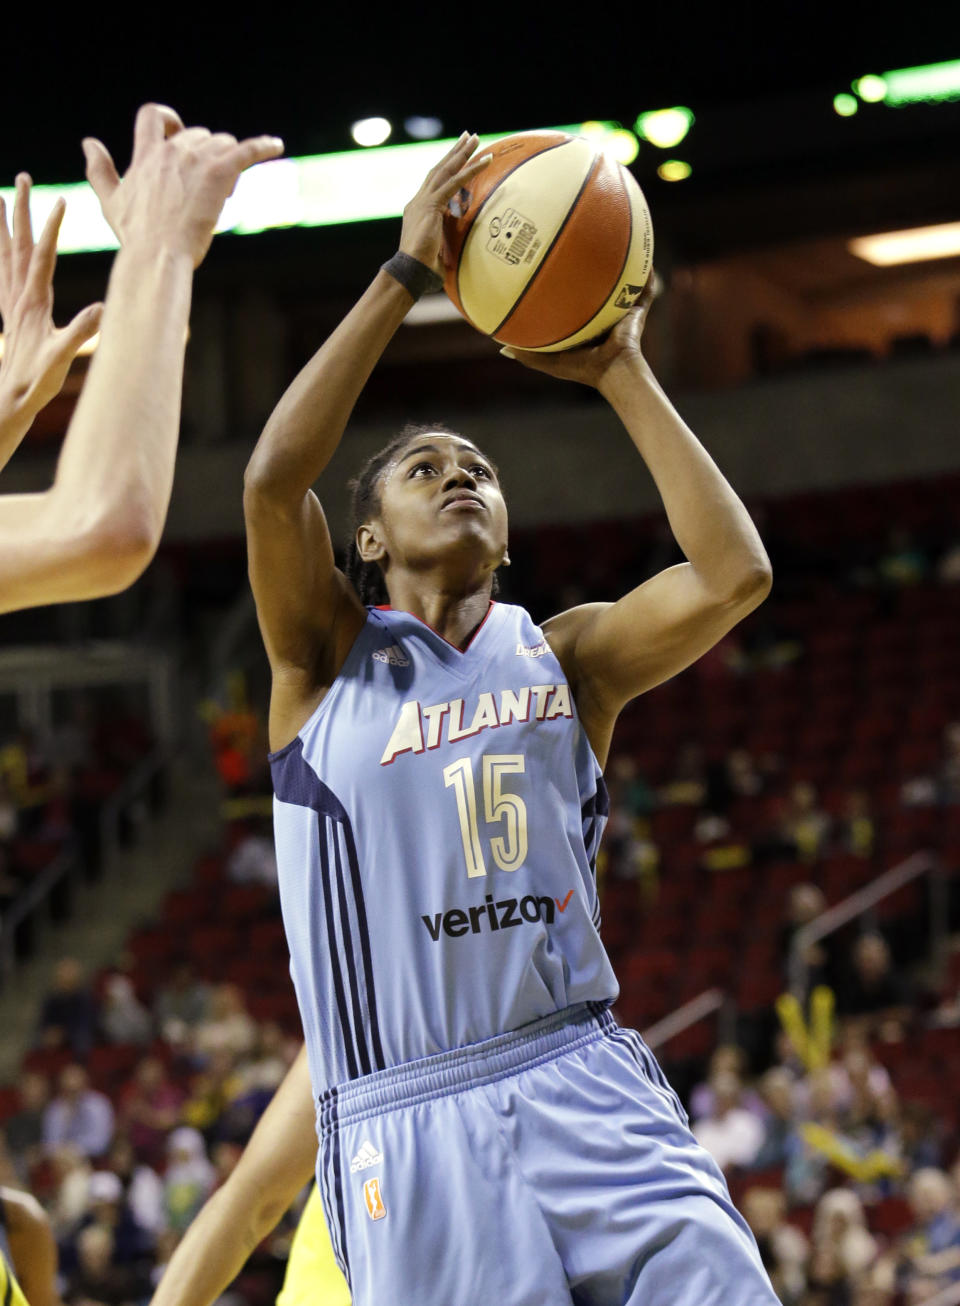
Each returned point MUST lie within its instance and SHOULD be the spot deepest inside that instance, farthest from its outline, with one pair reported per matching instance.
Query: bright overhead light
(871, 89)
(909, 246)
(316, 190)
(422, 128)
(845, 105)
(665, 127)
(674, 170)
(928, 83)
(371, 131)
(617, 142)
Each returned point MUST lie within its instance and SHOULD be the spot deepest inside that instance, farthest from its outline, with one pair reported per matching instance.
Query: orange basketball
(550, 245)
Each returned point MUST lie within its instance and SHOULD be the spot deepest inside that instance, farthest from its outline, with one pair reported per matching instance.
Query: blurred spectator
(731, 1134)
(68, 1017)
(9, 819)
(627, 788)
(919, 1137)
(181, 1004)
(779, 1127)
(743, 775)
(142, 1189)
(78, 1115)
(930, 1258)
(725, 1059)
(804, 904)
(189, 1176)
(904, 562)
(123, 1018)
(254, 860)
(98, 1280)
(24, 1129)
(856, 830)
(783, 1249)
(688, 785)
(212, 1092)
(950, 766)
(804, 825)
(842, 1249)
(149, 1108)
(227, 1026)
(234, 736)
(107, 1206)
(948, 568)
(872, 993)
(70, 1173)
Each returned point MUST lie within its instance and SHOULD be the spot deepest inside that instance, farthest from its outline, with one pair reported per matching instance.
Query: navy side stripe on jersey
(344, 911)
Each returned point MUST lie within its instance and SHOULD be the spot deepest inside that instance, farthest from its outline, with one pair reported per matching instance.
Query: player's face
(440, 497)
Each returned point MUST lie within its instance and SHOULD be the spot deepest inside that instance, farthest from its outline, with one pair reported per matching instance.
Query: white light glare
(910, 246)
(422, 128)
(371, 131)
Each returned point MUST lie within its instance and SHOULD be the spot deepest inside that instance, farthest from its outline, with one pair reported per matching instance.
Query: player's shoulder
(563, 631)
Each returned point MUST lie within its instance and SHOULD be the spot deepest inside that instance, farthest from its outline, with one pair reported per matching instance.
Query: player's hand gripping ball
(549, 245)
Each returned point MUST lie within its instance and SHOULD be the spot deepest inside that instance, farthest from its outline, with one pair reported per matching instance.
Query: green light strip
(929, 83)
(316, 190)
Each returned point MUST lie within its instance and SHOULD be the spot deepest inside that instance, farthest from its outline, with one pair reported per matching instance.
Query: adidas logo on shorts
(392, 656)
(366, 1157)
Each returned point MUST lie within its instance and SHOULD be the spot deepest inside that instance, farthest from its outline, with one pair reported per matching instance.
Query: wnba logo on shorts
(371, 1195)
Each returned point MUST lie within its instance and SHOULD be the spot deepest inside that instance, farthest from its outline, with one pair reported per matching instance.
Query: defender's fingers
(461, 149)
(101, 170)
(44, 257)
(22, 228)
(153, 123)
(81, 328)
(256, 149)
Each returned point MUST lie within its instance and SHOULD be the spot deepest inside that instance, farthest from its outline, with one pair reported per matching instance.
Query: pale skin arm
(95, 530)
(36, 355)
(32, 1247)
(614, 651)
(308, 613)
(276, 1164)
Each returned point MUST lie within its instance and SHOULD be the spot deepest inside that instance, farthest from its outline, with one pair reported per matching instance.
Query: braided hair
(367, 577)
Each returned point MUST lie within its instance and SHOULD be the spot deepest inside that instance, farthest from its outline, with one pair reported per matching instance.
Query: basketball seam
(626, 256)
(557, 234)
(486, 201)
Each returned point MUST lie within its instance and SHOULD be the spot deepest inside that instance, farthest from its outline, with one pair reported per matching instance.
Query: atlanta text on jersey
(492, 915)
(420, 727)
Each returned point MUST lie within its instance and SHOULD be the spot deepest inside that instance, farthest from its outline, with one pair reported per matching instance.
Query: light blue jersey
(437, 823)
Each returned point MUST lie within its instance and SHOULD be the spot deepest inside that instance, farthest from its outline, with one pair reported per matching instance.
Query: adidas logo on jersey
(392, 656)
(533, 650)
(366, 1157)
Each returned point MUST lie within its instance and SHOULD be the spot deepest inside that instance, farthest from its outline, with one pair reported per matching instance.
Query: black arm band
(415, 277)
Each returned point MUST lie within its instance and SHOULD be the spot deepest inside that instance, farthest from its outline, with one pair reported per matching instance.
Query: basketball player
(28, 1252)
(277, 1163)
(95, 530)
(487, 1132)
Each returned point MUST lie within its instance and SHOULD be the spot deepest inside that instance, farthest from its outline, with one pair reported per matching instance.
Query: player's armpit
(614, 651)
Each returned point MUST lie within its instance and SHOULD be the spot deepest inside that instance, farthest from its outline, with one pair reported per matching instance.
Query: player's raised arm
(612, 652)
(94, 531)
(33, 1248)
(36, 354)
(276, 1164)
(308, 612)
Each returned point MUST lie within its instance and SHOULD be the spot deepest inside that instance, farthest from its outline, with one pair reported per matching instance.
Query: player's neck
(455, 616)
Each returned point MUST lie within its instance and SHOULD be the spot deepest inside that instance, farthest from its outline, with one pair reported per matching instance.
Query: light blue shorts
(548, 1166)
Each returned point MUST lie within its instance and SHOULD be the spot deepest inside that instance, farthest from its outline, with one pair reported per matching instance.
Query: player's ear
(370, 546)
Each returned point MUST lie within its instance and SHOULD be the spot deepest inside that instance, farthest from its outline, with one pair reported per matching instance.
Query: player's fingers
(80, 329)
(256, 149)
(459, 179)
(22, 229)
(101, 171)
(451, 163)
(4, 237)
(44, 257)
(153, 123)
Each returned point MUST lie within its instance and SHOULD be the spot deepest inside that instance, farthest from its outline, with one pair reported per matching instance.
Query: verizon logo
(490, 916)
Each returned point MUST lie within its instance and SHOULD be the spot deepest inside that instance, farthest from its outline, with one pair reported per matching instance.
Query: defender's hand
(37, 355)
(177, 183)
(591, 364)
(422, 233)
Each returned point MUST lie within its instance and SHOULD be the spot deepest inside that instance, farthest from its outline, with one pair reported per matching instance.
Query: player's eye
(478, 469)
(422, 467)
